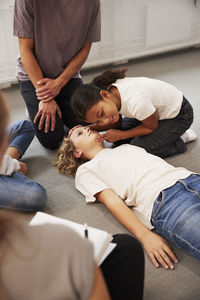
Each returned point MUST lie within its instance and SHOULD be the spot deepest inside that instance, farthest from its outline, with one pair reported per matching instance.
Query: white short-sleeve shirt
(141, 97)
(135, 175)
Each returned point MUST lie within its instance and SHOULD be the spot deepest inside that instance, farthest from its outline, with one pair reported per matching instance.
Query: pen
(86, 230)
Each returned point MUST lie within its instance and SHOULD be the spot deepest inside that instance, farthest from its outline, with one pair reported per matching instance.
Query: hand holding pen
(86, 230)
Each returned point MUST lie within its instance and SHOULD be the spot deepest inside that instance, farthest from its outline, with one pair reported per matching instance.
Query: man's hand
(47, 113)
(50, 88)
(23, 167)
(158, 250)
(112, 135)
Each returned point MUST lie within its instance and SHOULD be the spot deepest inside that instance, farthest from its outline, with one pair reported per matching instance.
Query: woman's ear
(77, 153)
(104, 93)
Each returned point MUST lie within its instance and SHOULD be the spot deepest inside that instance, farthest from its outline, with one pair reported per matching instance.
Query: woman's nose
(87, 129)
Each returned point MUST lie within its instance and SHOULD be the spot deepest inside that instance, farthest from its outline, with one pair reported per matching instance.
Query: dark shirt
(59, 28)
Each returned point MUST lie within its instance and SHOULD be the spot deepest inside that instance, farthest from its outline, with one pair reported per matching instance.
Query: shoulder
(47, 254)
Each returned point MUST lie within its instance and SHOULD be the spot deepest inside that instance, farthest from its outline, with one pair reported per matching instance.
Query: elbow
(26, 47)
(24, 52)
(153, 128)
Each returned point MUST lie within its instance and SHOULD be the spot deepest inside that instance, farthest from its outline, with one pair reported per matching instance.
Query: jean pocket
(192, 184)
(158, 204)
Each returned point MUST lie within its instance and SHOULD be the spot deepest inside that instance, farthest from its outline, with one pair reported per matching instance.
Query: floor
(181, 69)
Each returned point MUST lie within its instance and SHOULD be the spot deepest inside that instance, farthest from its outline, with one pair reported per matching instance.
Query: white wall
(130, 29)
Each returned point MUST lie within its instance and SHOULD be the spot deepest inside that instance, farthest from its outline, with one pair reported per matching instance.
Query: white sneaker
(188, 136)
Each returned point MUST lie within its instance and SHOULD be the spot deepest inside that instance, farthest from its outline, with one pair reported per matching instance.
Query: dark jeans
(52, 139)
(123, 269)
(165, 141)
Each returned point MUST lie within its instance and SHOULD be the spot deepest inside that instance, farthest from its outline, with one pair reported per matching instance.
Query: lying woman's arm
(157, 248)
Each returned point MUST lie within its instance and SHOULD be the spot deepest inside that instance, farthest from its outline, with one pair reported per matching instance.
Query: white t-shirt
(135, 175)
(141, 97)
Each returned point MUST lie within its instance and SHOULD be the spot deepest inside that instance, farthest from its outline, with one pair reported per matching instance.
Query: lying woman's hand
(158, 250)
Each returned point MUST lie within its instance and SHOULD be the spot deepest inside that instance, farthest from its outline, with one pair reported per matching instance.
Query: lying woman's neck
(92, 152)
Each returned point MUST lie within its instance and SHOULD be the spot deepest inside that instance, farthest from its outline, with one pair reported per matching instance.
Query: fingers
(168, 250)
(42, 119)
(154, 261)
(47, 123)
(164, 260)
(43, 81)
(41, 90)
(44, 96)
(162, 257)
(53, 122)
(101, 137)
(37, 117)
(59, 112)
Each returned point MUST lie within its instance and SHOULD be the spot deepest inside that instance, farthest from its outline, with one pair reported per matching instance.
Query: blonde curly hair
(64, 160)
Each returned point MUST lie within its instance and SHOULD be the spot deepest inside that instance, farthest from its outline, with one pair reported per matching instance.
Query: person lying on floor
(72, 273)
(167, 197)
(18, 192)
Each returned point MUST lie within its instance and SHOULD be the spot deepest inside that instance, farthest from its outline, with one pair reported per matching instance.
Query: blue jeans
(176, 214)
(20, 135)
(17, 191)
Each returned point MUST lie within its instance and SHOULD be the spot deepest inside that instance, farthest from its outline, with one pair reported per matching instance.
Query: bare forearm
(75, 64)
(137, 131)
(157, 248)
(123, 214)
(31, 66)
(127, 218)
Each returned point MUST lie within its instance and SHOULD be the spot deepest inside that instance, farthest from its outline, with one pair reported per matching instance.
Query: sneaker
(188, 136)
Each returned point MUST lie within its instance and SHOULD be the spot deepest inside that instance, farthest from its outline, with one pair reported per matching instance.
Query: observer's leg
(20, 193)
(63, 100)
(176, 214)
(123, 269)
(20, 135)
(52, 139)
(166, 141)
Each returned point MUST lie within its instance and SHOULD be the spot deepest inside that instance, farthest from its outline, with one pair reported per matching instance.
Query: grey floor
(181, 69)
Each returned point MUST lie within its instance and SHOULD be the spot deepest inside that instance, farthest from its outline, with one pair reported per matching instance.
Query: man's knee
(50, 143)
(50, 140)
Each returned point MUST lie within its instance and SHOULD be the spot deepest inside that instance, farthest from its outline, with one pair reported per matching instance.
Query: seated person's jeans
(17, 191)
